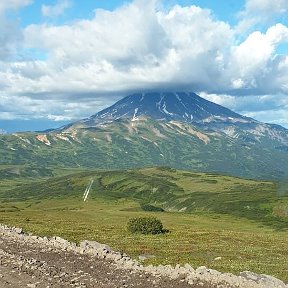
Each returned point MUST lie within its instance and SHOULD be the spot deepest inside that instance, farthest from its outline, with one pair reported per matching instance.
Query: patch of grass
(193, 238)
(168, 189)
(208, 216)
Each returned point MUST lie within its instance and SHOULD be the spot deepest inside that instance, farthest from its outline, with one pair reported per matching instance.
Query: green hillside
(123, 144)
(208, 216)
(170, 189)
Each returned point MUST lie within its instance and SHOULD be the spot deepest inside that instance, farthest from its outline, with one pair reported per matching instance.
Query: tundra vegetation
(225, 223)
(145, 225)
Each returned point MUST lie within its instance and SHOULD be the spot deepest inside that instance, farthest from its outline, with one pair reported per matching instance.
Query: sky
(63, 60)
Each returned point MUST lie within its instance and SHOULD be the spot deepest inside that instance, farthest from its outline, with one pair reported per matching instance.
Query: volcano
(180, 130)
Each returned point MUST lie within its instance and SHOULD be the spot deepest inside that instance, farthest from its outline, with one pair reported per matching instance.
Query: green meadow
(225, 223)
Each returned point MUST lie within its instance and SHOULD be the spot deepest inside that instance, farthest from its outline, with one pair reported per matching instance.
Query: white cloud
(248, 104)
(55, 10)
(265, 108)
(9, 116)
(13, 4)
(221, 99)
(259, 12)
(146, 49)
(266, 7)
(10, 33)
(24, 107)
(138, 47)
(184, 46)
(279, 116)
(254, 63)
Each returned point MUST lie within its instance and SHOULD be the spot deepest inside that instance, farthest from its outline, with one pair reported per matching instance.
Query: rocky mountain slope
(183, 107)
(180, 130)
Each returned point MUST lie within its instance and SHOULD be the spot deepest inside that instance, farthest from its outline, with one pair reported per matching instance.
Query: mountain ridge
(186, 107)
(180, 130)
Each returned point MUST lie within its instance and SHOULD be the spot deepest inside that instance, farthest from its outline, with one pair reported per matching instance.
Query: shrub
(148, 207)
(145, 225)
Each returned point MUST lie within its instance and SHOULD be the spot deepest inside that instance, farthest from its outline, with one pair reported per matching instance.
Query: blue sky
(75, 10)
(63, 60)
(225, 10)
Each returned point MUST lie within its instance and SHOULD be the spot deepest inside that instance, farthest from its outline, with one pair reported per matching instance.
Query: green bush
(148, 207)
(145, 225)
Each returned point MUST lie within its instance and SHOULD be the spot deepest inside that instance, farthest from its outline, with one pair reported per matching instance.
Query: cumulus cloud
(56, 109)
(247, 104)
(10, 33)
(91, 63)
(13, 4)
(278, 116)
(255, 65)
(265, 108)
(55, 10)
(148, 48)
(10, 36)
(259, 11)
(266, 7)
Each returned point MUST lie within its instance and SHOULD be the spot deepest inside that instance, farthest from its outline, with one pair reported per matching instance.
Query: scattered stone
(265, 280)
(185, 275)
(94, 245)
(18, 230)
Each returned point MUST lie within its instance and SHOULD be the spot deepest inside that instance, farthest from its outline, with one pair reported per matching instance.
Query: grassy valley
(208, 216)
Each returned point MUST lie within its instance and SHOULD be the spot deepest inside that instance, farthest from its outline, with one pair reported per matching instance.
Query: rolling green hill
(169, 189)
(242, 223)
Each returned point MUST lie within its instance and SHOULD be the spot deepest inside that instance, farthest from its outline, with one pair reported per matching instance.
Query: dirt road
(29, 265)
(40, 262)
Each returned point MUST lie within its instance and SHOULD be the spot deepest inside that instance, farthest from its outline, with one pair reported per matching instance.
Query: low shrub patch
(148, 207)
(145, 225)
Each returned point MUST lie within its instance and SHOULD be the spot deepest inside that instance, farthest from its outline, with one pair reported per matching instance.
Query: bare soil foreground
(31, 261)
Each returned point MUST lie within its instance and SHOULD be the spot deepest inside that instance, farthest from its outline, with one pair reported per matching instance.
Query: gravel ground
(31, 261)
(27, 265)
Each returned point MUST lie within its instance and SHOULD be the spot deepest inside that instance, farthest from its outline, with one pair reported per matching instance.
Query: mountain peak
(159, 129)
(179, 106)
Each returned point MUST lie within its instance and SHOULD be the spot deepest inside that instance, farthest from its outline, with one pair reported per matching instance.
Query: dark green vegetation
(208, 216)
(151, 208)
(145, 225)
(166, 189)
(124, 144)
(179, 130)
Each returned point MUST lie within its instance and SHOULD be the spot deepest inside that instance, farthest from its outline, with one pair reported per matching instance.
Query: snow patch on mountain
(165, 109)
(187, 108)
(134, 116)
(180, 106)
